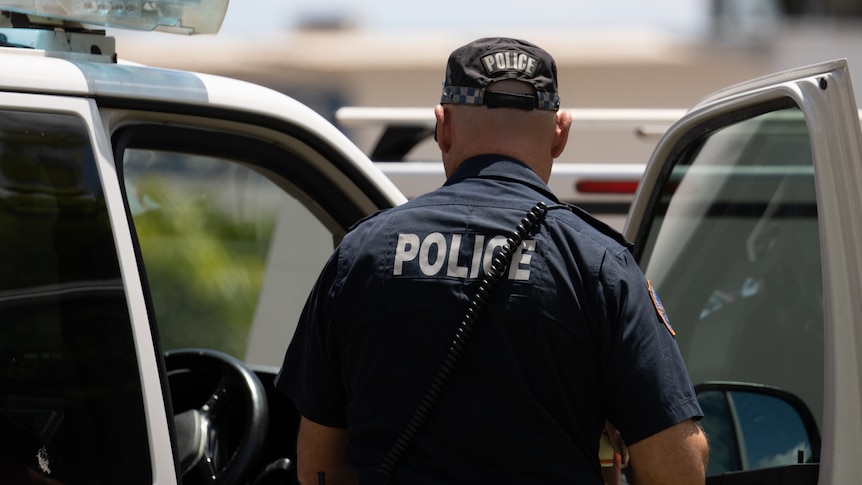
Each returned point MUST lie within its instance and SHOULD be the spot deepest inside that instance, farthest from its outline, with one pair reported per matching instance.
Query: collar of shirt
(500, 167)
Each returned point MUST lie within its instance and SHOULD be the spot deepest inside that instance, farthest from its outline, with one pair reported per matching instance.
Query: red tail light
(606, 186)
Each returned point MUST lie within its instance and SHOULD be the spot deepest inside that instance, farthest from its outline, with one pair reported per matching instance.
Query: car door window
(70, 388)
(734, 250)
(232, 231)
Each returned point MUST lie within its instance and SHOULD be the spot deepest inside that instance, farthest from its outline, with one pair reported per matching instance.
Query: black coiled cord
(498, 268)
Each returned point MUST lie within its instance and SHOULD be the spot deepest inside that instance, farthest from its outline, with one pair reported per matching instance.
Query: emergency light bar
(173, 16)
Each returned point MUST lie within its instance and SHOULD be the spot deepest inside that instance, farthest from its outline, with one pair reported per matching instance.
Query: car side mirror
(752, 427)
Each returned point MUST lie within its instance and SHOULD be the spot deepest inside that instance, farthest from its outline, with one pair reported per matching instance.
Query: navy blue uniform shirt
(570, 337)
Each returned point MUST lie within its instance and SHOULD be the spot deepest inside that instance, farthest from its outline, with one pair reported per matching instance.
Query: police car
(160, 230)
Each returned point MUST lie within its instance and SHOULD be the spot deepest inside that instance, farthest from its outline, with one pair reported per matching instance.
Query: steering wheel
(219, 440)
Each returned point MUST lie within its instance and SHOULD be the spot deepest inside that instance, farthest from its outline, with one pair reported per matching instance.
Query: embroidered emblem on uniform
(659, 308)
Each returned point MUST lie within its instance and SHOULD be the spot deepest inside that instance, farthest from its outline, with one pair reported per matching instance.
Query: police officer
(569, 337)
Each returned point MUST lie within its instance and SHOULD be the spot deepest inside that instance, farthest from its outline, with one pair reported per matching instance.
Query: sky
(675, 17)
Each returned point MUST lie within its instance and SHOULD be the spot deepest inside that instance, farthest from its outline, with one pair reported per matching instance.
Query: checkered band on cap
(475, 96)
(462, 95)
(549, 101)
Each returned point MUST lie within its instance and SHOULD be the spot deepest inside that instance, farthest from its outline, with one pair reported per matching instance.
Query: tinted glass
(70, 395)
(734, 251)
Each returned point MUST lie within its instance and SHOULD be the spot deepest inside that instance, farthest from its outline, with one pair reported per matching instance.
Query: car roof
(36, 72)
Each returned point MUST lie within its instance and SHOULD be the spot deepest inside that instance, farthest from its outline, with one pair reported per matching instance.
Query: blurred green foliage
(205, 267)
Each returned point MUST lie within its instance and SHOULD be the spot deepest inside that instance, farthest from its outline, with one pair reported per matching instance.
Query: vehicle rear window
(71, 404)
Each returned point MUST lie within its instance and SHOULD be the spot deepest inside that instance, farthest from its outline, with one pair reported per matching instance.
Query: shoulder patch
(659, 308)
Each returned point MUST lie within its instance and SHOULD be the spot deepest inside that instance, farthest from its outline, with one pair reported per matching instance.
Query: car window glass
(69, 381)
(734, 251)
(230, 249)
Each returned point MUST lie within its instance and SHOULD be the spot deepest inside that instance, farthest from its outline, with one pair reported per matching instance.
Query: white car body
(602, 188)
(103, 98)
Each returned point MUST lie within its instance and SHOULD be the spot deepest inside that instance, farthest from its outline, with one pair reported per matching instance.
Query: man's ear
(441, 130)
(561, 133)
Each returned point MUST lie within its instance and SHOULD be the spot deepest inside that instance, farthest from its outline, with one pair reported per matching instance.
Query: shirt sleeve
(646, 386)
(311, 372)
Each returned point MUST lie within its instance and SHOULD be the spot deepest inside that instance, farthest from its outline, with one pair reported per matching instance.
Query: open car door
(748, 224)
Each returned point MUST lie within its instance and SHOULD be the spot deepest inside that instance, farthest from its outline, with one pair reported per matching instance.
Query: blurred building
(329, 63)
